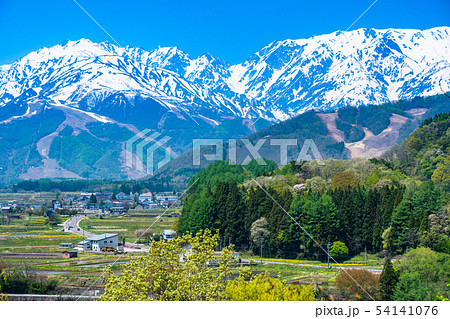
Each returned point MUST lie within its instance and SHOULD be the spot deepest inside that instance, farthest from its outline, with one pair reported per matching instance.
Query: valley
(314, 169)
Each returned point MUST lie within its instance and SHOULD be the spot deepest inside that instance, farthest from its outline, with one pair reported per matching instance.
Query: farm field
(33, 197)
(32, 234)
(126, 225)
(358, 260)
(158, 211)
(31, 245)
(293, 273)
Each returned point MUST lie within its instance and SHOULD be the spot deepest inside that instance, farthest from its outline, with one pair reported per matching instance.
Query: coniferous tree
(203, 213)
(279, 222)
(370, 212)
(259, 205)
(401, 216)
(298, 213)
(235, 217)
(388, 280)
(358, 203)
(390, 197)
(220, 203)
(426, 201)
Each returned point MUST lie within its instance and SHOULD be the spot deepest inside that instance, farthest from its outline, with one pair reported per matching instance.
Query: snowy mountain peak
(285, 78)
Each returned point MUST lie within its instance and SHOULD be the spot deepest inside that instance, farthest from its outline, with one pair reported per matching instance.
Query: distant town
(105, 203)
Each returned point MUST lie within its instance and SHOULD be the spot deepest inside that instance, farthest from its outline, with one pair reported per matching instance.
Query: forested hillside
(425, 153)
(350, 132)
(360, 203)
(386, 206)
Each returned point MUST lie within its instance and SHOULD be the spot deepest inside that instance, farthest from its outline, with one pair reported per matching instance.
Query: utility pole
(365, 255)
(328, 254)
(261, 247)
(81, 275)
(229, 240)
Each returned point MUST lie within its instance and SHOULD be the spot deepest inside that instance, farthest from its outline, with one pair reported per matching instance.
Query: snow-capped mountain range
(283, 79)
(67, 111)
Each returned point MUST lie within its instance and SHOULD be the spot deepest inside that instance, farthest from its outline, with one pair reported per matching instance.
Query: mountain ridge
(272, 81)
(100, 87)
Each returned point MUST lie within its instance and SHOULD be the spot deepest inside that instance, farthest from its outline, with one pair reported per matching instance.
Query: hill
(364, 132)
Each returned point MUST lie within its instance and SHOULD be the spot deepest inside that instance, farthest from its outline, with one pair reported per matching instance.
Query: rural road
(75, 223)
(76, 229)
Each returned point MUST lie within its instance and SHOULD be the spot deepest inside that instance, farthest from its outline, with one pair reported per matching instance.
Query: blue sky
(229, 29)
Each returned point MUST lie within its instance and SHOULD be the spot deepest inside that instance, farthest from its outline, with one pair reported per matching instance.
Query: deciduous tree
(174, 270)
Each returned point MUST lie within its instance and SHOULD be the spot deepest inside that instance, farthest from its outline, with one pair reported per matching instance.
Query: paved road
(76, 229)
(75, 223)
(312, 265)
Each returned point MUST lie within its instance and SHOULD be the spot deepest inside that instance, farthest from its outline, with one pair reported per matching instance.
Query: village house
(108, 204)
(85, 245)
(120, 195)
(66, 245)
(85, 196)
(168, 234)
(92, 206)
(146, 197)
(70, 254)
(56, 204)
(6, 209)
(166, 197)
(98, 242)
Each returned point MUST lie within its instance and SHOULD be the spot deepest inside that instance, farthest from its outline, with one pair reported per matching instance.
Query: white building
(168, 234)
(146, 197)
(166, 197)
(56, 204)
(85, 245)
(96, 243)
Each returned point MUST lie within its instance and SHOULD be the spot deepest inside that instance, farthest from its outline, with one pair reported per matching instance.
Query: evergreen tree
(400, 218)
(296, 234)
(388, 280)
(426, 201)
(258, 205)
(203, 213)
(93, 199)
(358, 204)
(235, 217)
(370, 213)
(279, 222)
(390, 197)
(220, 203)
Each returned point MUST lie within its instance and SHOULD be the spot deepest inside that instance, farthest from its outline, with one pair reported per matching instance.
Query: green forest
(393, 205)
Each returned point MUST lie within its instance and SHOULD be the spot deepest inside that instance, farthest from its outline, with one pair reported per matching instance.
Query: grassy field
(293, 273)
(31, 234)
(45, 239)
(36, 249)
(32, 197)
(126, 224)
(358, 260)
(167, 212)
